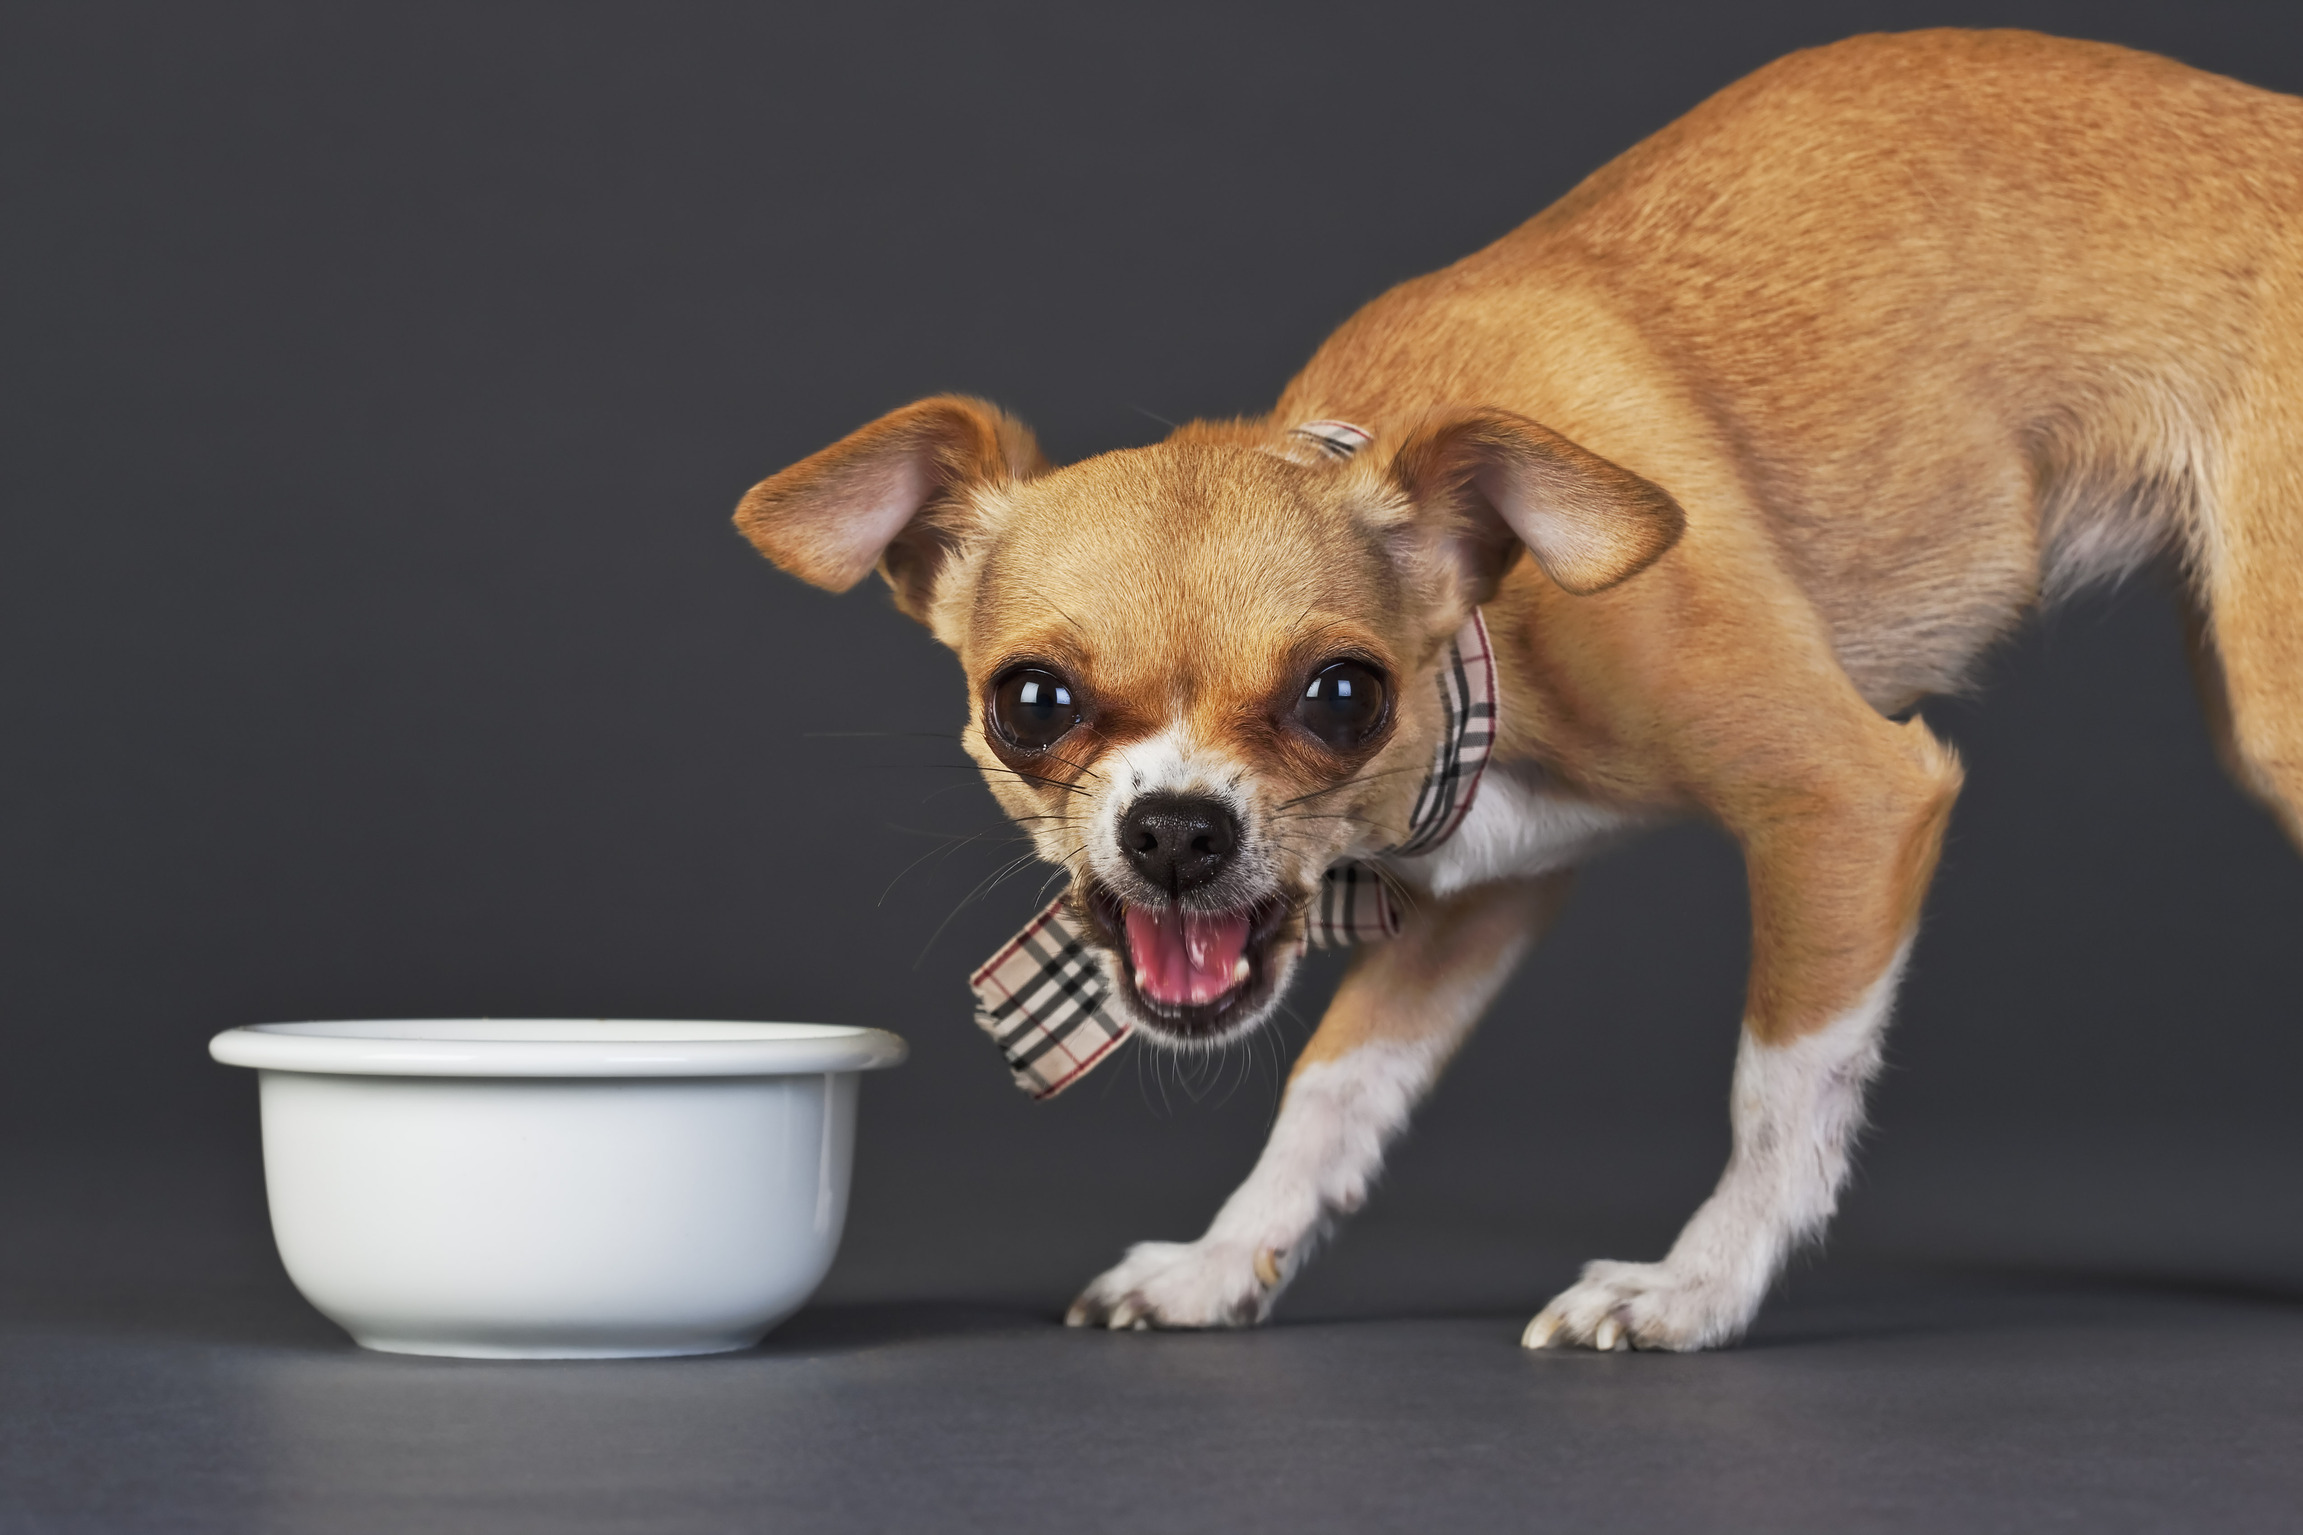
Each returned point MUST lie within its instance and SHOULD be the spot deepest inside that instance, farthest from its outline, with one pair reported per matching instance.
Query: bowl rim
(556, 1047)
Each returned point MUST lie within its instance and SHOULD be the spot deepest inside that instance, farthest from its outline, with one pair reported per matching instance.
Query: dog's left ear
(1495, 482)
(894, 494)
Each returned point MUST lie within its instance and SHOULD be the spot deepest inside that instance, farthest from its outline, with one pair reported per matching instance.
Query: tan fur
(1800, 405)
(1439, 977)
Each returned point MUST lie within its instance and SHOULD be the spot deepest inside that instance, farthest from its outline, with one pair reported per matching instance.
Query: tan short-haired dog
(1796, 408)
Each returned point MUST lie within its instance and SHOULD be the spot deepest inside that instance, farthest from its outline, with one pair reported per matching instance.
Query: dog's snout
(1176, 842)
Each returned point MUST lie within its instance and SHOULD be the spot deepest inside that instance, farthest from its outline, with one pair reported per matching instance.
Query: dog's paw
(1642, 1305)
(1183, 1284)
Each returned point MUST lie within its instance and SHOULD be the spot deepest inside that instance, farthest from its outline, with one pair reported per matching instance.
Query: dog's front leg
(1837, 873)
(1400, 1014)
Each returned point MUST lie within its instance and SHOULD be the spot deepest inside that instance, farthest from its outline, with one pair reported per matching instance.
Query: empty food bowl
(557, 1189)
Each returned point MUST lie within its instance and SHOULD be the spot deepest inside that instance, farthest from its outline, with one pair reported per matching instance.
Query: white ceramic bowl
(546, 1189)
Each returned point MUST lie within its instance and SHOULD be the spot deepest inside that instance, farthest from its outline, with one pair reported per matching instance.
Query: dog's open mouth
(1195, 973)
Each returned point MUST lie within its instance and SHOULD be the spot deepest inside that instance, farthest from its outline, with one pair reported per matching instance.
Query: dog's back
(1966, 318)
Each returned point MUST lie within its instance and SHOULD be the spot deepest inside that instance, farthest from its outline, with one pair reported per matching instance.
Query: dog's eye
(1342, 704)
(1033, 709)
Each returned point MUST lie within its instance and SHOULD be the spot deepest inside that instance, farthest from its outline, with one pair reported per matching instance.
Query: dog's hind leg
(1838, 867)
(1400, 1014)
(2262, 761)
(2247, 619)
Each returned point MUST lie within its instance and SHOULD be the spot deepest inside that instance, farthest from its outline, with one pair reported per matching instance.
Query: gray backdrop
(379, 384)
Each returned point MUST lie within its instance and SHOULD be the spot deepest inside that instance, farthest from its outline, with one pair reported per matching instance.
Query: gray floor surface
(158, 1373)
(1929, 1407)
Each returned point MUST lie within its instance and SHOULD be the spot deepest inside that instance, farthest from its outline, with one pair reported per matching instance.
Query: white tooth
(1240, 969)
(1143, 978)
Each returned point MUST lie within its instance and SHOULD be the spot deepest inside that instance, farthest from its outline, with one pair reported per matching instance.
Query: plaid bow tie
(1044, 998)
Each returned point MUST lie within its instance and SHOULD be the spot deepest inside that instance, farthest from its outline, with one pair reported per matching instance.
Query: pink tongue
(1183, 958)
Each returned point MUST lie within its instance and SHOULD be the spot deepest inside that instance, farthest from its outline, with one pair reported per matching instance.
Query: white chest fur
(1518, 827)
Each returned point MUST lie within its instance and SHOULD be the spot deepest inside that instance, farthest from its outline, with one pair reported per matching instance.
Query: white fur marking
(1167, 763)
(1322, 1158)
(1516, 830)
(1797, 1109)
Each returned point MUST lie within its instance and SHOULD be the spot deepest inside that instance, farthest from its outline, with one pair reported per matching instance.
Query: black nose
(1178, 843)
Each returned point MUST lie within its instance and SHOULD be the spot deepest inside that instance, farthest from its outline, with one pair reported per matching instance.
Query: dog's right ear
(895, 494)
(1497, 482)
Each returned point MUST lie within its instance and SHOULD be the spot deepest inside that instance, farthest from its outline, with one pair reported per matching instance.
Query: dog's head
(1201, 672)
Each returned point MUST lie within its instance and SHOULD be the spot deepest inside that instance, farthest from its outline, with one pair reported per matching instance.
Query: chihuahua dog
(1762, 434)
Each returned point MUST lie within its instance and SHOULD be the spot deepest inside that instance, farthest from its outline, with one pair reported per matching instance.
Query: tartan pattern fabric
(1467, 694)
(1331, 439)
(1351, 907)
(1044, 1001)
